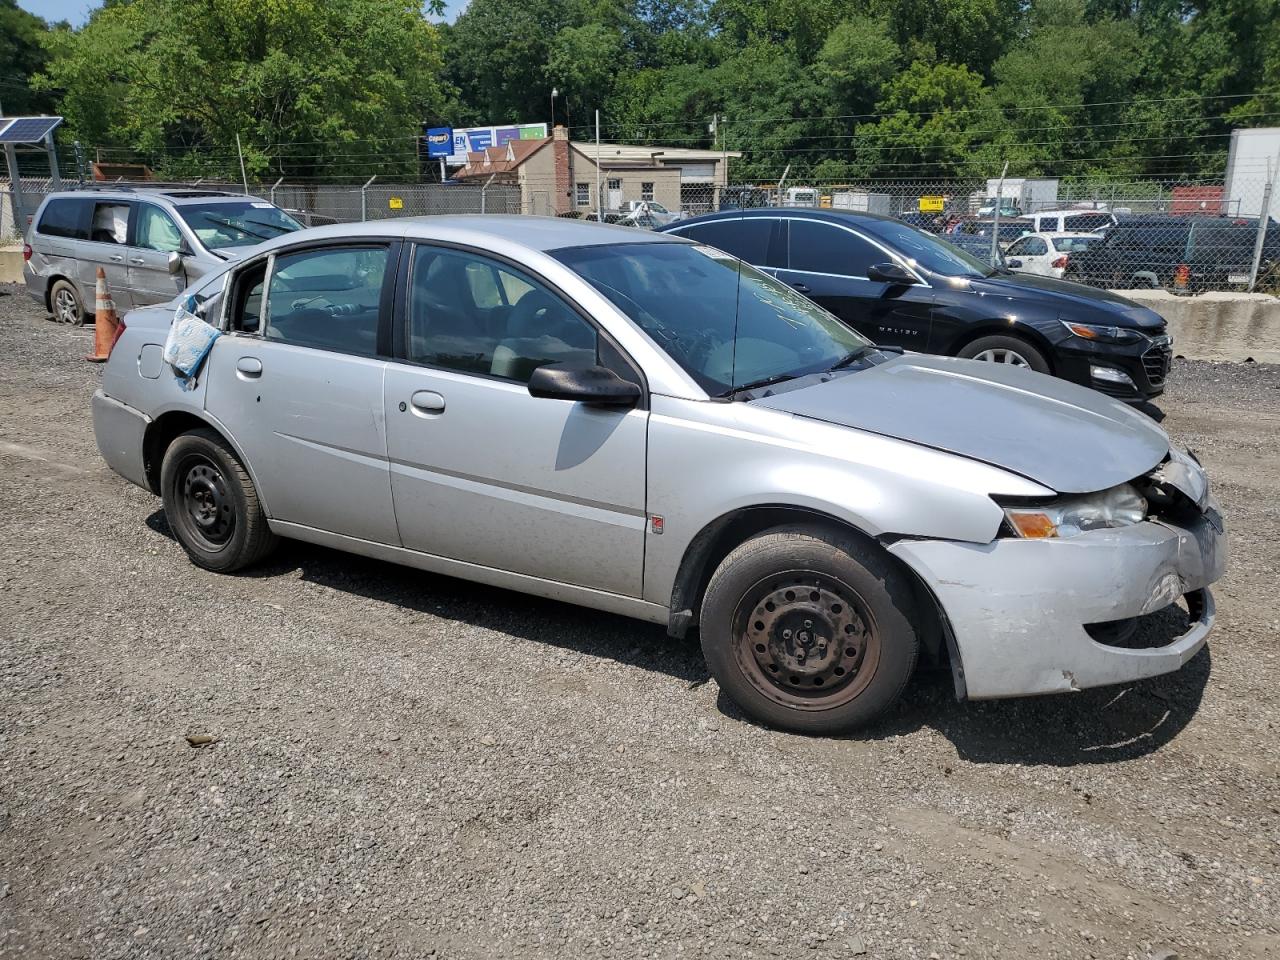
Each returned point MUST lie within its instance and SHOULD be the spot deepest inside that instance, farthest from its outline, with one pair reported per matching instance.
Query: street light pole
(554, 93)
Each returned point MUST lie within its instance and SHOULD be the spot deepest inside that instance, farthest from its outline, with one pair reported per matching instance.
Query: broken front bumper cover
(1017, 609)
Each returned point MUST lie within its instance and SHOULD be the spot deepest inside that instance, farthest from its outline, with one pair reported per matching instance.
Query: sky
(77, 11)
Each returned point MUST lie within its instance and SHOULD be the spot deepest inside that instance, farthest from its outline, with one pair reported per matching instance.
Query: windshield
(925, 250)
(236, 223)
(726, 323)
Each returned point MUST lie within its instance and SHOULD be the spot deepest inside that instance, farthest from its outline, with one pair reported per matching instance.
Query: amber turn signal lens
(1033, 526)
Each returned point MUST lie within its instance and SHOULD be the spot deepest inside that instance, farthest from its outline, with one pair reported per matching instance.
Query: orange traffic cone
(105, 321)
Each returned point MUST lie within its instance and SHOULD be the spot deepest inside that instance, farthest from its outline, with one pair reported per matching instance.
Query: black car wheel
(808, 629)
(211, 503)
(1006, 349)
(64, 301)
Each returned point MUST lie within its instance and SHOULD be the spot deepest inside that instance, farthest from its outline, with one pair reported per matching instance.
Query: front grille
(1156, 363)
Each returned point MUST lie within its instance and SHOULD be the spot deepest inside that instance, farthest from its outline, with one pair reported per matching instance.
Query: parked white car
(1046, 254)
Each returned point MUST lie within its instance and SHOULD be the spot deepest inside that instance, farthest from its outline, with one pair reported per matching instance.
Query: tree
(22, 54)
(310, 86)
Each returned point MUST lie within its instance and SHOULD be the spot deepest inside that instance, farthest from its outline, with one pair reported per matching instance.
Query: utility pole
(995, 221)
(243, 176)
(599, 202)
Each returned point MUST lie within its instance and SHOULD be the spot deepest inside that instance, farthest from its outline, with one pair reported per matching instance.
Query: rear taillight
(116, 338)
(26, 251)
(1060, 263)
(1181, 275)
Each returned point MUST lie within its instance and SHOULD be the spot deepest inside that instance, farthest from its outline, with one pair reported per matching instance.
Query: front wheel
(1013, 351)
(211, 503)
(808, 629)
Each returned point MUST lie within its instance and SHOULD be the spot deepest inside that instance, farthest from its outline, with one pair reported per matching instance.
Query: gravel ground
(408, 765)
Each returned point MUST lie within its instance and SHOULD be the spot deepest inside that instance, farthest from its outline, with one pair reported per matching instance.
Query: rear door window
(753, 239)
(329, 299)
(1049, 224)
(1088, 222)
(817, 247)
(64, 217)
(110, 223)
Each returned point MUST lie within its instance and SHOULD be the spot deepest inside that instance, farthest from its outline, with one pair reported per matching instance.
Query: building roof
(649, 153)
(503, 159)
(616, 156)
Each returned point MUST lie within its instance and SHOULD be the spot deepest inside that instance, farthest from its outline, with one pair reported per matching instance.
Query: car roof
(531, 232)
(175, 195)
(799, 213)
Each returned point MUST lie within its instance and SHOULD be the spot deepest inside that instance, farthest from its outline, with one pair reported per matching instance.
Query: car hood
(1073, 300)
(1062, 436)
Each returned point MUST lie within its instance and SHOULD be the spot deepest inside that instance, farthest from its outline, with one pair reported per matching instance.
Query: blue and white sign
(475, 139)
(439, 142)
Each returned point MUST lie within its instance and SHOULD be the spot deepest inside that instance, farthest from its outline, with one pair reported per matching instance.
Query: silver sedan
(642, 425)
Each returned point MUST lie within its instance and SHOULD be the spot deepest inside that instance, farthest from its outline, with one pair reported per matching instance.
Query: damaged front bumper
(1018, 609)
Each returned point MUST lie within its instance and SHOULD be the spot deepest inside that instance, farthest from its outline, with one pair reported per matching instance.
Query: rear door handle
(801, 287)
(427, 401)
(249, 367)
(137, 260)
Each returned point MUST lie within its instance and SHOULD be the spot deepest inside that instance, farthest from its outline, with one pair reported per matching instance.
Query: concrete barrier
(11, 264)
(1218, 326)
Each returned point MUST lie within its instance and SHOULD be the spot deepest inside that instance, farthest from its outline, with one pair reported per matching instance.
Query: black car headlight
(1070, 516)
(1102, 334)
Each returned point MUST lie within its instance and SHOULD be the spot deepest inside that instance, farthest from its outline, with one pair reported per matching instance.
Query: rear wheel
(807, 629)
(64, 300)
(1010, 350)
(211, 503)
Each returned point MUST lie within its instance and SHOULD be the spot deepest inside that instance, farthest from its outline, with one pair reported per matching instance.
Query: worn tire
(1002, 342)
(67, 292)
(855, 571)
(204, 485)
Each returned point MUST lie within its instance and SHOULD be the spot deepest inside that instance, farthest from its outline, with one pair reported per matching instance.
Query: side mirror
(890, 273)
(1013, 264)
(593, 385)
(174, 262)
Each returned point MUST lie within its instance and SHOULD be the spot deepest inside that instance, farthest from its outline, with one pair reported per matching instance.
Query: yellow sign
(933, 204)
(395, 203)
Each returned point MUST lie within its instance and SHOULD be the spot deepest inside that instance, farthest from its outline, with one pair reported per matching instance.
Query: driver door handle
(427, 401)
(117, 258)
(801, 287)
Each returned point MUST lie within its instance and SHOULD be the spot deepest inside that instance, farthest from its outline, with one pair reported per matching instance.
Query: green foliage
(831, 88)
(22, 54)
(310, 86)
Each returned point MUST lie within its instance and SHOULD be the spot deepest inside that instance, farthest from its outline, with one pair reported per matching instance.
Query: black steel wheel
(806, 640)
(211, 503)
(809, 628)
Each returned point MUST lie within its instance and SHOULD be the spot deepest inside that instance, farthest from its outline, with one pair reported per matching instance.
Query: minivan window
(110, 223)
(156, 230)
(62, 218)
(223, 224)
(817, 247)
(1087, 222)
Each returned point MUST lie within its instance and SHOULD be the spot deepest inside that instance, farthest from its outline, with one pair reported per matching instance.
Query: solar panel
(26, 129)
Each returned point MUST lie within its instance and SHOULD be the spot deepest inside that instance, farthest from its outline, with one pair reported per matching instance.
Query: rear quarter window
(64, 217)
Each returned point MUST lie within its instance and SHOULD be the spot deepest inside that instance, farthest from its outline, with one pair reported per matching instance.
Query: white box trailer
(862, 201)
(1247, 160)
(1026, 194)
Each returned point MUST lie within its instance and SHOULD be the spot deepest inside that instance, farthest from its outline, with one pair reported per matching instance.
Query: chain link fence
(1186, 237)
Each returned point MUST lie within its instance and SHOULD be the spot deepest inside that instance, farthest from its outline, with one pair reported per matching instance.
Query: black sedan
(900, 286)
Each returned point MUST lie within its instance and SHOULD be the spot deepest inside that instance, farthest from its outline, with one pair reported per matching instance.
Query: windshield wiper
(758, 384)
(850, 358)
(236, 226)
(270, 226)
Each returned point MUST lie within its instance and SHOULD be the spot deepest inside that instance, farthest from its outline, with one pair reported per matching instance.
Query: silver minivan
(151, 243)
